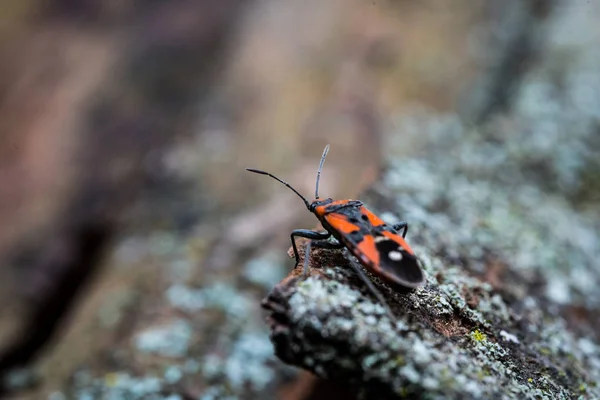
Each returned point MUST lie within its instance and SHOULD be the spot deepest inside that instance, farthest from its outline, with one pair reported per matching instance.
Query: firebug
(380, 248)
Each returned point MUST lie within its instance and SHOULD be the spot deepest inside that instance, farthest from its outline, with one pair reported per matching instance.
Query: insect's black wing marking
(397, 262)
(351, 212)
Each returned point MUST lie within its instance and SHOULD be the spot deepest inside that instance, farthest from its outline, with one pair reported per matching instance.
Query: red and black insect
(379, 247)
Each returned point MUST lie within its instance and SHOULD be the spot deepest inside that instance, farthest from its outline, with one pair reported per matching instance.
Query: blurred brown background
(125, 127)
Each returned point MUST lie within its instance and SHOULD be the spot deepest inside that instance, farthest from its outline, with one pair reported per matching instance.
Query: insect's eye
(364, 217)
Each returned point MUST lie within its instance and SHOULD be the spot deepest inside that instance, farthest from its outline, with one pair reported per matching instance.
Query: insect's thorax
(323, 207)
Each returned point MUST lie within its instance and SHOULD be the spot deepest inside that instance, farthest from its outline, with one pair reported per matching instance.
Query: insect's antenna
(319, 170)
(257, 171)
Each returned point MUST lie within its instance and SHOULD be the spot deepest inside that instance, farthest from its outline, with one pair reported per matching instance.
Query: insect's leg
(306, 258)
(401, 226)
(326, 244)
(322, 244)
(305, 233)
(357, 268)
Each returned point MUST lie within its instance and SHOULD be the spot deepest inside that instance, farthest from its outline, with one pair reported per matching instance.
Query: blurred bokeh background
(134, 247)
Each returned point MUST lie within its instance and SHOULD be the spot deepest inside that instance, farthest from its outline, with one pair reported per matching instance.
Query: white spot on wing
(395, 255)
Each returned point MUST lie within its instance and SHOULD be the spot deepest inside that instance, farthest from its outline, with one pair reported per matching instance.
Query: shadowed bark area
(172, 54)
(518, 40)
(72, 259)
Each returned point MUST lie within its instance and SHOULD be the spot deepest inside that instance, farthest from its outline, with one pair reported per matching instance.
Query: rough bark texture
(168, 63)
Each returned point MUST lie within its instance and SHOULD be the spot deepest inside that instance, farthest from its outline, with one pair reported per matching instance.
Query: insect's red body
(378, 246)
